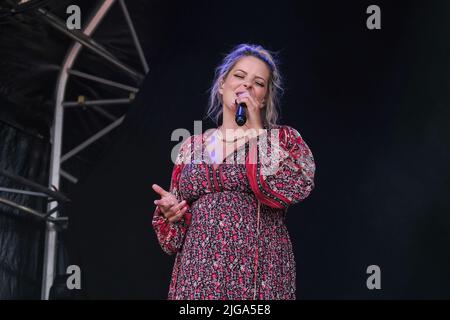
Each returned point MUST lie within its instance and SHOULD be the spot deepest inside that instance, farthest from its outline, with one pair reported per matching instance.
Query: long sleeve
(289, 178)
(171, 235)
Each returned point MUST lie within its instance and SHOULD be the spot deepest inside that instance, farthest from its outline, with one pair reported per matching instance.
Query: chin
(232, 107)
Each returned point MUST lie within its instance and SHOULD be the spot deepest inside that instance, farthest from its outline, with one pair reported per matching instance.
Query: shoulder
(187, 142)
(182, 151)
(291, 139)
(191, 147)
(287, 134)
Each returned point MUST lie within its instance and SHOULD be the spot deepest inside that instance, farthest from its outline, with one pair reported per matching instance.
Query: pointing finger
(159, 190)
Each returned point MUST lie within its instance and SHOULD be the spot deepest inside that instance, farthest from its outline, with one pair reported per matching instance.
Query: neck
(229, 122)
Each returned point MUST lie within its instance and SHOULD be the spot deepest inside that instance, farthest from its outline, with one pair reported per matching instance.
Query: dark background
(371, 104)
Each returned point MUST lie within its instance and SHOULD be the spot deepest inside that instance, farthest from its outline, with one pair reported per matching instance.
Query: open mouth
(240, 92)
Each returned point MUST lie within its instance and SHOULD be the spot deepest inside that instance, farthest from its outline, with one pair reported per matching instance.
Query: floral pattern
(233, 243)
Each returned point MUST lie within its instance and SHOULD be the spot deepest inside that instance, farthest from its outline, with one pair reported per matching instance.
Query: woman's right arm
(171, 234)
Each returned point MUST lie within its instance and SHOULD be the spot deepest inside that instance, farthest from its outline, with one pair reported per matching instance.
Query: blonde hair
(270, 109)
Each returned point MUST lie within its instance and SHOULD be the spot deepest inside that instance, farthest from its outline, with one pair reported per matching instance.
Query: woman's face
(248, 74)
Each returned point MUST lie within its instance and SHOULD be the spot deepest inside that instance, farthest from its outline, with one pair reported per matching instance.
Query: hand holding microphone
(247, 106)
(241, 117)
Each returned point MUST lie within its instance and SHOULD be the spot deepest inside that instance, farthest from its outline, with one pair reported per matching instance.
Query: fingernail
(155, 202)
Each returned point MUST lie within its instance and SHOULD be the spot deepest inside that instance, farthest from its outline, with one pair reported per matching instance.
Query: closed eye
(240, 76)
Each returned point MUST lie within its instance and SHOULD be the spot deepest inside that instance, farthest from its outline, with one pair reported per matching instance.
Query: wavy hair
(270, 109)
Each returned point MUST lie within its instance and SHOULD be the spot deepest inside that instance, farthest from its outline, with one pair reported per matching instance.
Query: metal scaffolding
(82, 39)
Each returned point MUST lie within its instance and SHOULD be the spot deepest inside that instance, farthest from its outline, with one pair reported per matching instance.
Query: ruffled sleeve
(171, 235)
(280, 168)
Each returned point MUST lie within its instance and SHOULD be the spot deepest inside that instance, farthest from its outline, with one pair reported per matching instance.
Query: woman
(224, 215)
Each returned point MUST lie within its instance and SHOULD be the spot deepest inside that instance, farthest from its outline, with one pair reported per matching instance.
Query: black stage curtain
(372, 105)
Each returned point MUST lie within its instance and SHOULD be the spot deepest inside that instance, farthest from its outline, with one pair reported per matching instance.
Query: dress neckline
(216, 166)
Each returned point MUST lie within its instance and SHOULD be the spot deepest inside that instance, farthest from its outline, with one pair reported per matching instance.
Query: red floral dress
(233, 243)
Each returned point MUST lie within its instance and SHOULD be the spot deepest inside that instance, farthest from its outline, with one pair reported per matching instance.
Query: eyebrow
(255, 76)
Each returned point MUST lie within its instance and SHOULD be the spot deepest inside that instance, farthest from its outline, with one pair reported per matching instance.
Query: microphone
(241, 117)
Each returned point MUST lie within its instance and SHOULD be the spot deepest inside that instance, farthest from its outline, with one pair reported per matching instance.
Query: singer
(224, 218)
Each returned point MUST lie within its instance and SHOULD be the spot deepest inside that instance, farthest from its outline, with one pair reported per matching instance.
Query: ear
(263, 103)
(221, 86)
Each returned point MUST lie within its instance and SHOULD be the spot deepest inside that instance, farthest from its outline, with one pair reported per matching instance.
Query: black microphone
(241, 117)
